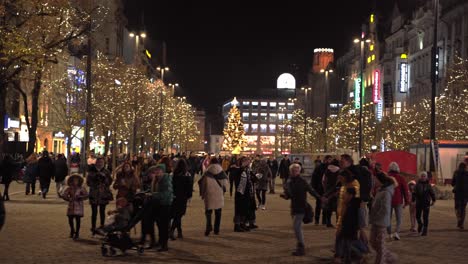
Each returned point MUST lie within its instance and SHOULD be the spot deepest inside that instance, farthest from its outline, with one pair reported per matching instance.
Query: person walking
(182, 184)
(284, 169)
(74, 194)
(412, 205)
(296, 191)
(460, 184)
(31, 173)
(380, 217)
(273, 164)
(127, 182)
(329, 183)
(61, 171)
(162, 198)
(263, 176)
(99, 181)
(316, 183)
(46, 170)
(8, 169)
(212, 187)
(399, 200)
(425, 198)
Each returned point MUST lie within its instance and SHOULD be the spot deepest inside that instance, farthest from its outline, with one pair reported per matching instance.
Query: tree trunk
(3, 93)
(106, 143)
(34, 110)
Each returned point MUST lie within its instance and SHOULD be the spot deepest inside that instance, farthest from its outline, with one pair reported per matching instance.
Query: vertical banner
(357, 93)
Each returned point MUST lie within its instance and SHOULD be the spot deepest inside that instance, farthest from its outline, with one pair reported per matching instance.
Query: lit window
(263, 117)
(280, 116)
(372, 18)
(254, 103)
(371, 48)
(351, 94)
(397, 109)
(368, 59)
(272, 128)
(373, 57)
(254, 128)
(289, 116)
(254, 117)
(272, 106)
(272, 117)
(245, 116)
(246, 128)
(421, 44)
(281, 104)
(263, 128)
(264, 106)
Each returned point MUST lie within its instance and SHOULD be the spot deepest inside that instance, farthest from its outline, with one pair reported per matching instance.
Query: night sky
(217, 50)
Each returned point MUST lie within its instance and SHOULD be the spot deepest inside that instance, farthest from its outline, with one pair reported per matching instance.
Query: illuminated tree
(234, 134)
(306, 133)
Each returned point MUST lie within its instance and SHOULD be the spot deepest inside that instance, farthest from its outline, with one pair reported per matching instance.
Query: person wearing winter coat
(212, 185)
(380, 217)
(425, 198)
(273, 164)
(329, 183)
(263, 176)
(46, 172)
(244, 198)
(316, 183)
(99, 181)
(412, 205)
(61, 171)
(74, 194)
(7, 170)
(296, 191)
(126, 182)
(400, 199)
(460, 184)
(31, 173)
(162, 198)
(183, 187)
(283, 169)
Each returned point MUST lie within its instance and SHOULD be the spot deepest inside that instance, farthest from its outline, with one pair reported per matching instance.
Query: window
(397, 109)
(272, 106)
(289, 116)
(245, 105)
(272, 117)
(255, 105)
(263, 128)
(246, 128)
(264, 106)
(254, 117)
(263, 117)
(254, 128)
(245, 117)
(290, 106)
(272, 128)
(280, 117)
(281, 104)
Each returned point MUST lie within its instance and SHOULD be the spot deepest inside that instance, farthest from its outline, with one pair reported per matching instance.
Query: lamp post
(362, 40)
(434, 87)
(114, 136)
(182, 104)
(173, 86)
(306, 101)
(326, 72)
(282, 127)
(162, 70)
(137, 37)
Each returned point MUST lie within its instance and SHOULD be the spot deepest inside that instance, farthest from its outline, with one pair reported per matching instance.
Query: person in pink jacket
(75, 194)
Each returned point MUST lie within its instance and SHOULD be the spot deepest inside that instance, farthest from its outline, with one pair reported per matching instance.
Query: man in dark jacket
(284, 169)
(316, 183)
(61, 171)
(8, 170)
(296, 190)
(46, 170)
(460, 184)
(273, 164)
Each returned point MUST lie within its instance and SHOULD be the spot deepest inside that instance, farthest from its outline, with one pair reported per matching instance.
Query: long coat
(99, 183)
(61, 169)
(211, 189)
(183, 188)
(75, 197)
(46, 170)
(262, 183)
(7, 170)
(31, 173)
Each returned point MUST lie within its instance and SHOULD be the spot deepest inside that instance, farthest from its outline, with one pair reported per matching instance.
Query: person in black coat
(316, 183)
(46, 172)
(273, 164)
(61, 171)
(182, 185)
(244, 197)
(7, 169)
(425, 198)
(460, 184)
(329, 183)
(283, 169)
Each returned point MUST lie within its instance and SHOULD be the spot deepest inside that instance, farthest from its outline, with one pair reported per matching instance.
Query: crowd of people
(161, 185)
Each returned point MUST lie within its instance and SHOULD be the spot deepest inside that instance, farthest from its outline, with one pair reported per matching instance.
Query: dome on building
(286, 81)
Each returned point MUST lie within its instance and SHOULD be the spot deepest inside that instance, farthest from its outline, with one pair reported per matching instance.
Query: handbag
(308, 214)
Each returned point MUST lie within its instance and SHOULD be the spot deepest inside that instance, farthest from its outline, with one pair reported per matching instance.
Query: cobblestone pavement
(36, 231)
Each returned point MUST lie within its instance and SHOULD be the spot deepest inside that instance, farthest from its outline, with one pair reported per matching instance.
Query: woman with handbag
(212, 188)
(296, 190)
(99, 181)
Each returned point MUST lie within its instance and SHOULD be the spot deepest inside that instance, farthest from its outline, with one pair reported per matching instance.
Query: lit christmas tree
(234, 134)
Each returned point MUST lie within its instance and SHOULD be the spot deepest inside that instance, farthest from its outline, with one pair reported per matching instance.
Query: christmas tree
(234, 138)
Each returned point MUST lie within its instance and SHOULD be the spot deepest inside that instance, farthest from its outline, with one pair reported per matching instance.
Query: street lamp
(305, 89)
(173, 86)
(362, 40)
(306, 101)
(162, 70)
(137, 41)
(326, 71)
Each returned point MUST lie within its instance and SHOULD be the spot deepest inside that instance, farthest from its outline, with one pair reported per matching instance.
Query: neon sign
(403, 77)
(357, 93)
(379, 110)
(376, 91)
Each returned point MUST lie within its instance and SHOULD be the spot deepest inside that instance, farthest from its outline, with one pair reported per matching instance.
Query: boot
(300, 250)
(208, 230)
(424, 231)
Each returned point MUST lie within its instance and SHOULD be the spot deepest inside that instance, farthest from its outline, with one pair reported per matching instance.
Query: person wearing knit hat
(74, 194)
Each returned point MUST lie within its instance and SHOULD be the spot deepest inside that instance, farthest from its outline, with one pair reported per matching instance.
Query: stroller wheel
(112, 251)
(141, 250)
(104, 251)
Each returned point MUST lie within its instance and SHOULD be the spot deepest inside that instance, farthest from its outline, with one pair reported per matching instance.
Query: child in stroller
(116, 231)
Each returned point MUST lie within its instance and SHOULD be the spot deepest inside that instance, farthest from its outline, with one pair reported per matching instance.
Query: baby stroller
(117, 237)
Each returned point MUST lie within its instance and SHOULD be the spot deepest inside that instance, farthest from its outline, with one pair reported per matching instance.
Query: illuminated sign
(286, 81)
(379, 110)
(376, 90)
(59, 135)
(323, 50)
(357, 93)
(403, 77)
(13, 123)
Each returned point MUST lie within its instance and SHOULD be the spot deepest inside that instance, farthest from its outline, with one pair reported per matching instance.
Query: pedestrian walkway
(36, 231)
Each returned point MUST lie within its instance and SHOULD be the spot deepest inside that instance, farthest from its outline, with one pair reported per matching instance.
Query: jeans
(424, 211)
(460, 209)
(377, 241)
(31, 188)
(261, 197)
(297, 226)
(272, 184)
(74, 229)
(217, 222)
(94, 212)
(398, 213)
